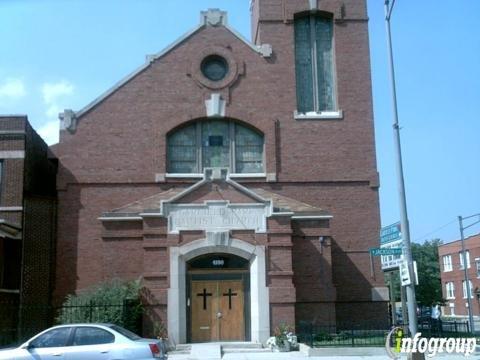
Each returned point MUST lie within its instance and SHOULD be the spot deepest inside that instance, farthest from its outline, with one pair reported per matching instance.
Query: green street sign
(385, 251)
(390, 233)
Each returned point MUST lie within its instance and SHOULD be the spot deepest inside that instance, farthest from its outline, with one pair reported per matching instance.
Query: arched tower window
(215, 143)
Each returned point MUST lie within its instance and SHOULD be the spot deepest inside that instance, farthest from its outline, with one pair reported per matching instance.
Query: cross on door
(230, 294)
(204, 294)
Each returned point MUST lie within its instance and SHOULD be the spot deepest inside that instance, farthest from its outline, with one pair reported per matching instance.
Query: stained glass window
(215, 143)
(248, 150)
(182, 150)
(314, 67)
(214, 67)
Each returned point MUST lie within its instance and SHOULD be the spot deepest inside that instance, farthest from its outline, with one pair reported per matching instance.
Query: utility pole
(407, 251)
(465, 271)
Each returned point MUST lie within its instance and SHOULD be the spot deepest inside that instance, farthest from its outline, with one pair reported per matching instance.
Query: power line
(434, 231)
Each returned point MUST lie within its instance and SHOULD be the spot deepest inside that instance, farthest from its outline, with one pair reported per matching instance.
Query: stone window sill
(8, 291)
(184, 176)
(198, 176)
(323, 115)
(247, 176)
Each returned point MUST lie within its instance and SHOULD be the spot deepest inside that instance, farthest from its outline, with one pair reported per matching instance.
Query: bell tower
(267, 15)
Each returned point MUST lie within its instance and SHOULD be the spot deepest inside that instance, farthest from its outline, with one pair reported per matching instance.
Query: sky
(57, 54)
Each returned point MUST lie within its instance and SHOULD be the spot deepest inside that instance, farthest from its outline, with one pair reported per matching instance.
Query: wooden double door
(217, 310)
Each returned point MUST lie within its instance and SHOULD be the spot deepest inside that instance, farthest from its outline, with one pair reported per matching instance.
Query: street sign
(390, 233)
(391, 238)
(404, 274)
(385, 251)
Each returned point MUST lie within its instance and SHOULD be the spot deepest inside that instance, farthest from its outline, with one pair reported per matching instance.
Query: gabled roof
(152, 205)
(211, 17)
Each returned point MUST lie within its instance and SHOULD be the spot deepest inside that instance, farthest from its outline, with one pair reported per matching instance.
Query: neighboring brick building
(237, 179)
(27, 225)
(453, 277)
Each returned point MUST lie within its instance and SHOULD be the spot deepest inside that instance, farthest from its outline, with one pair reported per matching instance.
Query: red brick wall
(118, 147)
(28, 182)
(472, 244)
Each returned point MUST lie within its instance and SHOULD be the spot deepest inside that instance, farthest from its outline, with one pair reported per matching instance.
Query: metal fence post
(312, 335)
(90, 311)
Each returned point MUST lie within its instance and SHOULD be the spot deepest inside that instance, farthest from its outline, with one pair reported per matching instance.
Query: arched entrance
(256, 319)
(218, 301)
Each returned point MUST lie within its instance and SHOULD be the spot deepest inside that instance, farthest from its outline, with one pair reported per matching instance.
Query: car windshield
(127, 333)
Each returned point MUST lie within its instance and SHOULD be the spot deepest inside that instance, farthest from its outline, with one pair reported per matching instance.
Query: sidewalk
(330, 354)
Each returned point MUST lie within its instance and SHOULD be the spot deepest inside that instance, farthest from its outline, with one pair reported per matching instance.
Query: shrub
(116, 302)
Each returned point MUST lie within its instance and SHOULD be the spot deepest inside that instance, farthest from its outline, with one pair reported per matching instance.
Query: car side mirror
(27, 346)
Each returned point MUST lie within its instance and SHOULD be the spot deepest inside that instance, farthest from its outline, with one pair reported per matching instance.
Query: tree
(429, 289)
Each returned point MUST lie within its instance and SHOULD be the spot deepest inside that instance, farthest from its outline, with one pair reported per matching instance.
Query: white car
(87, 342)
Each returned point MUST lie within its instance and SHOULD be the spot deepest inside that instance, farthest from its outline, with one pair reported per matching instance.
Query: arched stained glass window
(248, 150)
(182, 150)
(215, 143)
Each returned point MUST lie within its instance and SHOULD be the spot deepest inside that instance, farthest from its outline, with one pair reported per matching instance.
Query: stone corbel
(265, 50)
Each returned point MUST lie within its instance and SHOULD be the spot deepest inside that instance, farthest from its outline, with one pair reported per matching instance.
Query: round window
(214, 67)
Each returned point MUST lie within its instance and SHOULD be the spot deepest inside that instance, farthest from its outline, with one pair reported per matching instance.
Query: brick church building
(237, 179)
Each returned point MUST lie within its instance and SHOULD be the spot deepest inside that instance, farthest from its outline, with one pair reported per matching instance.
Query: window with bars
(215, 143)
(314, 64)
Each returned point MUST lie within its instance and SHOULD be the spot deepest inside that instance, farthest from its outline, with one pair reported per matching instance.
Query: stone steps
(181, 349)
(244, 351)
(216, 350)
(241, 345)
(243, 348)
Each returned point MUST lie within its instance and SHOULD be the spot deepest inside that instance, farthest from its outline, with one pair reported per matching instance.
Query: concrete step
(179, 352)
(184, 347)
(181, 349)
(244, 351)
(241, 345)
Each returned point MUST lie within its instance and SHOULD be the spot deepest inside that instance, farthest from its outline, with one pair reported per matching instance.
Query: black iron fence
(18, 323)
(439, 328)
(334, 336)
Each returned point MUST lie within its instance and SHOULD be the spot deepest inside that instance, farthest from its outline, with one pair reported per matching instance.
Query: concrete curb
(342, 351)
